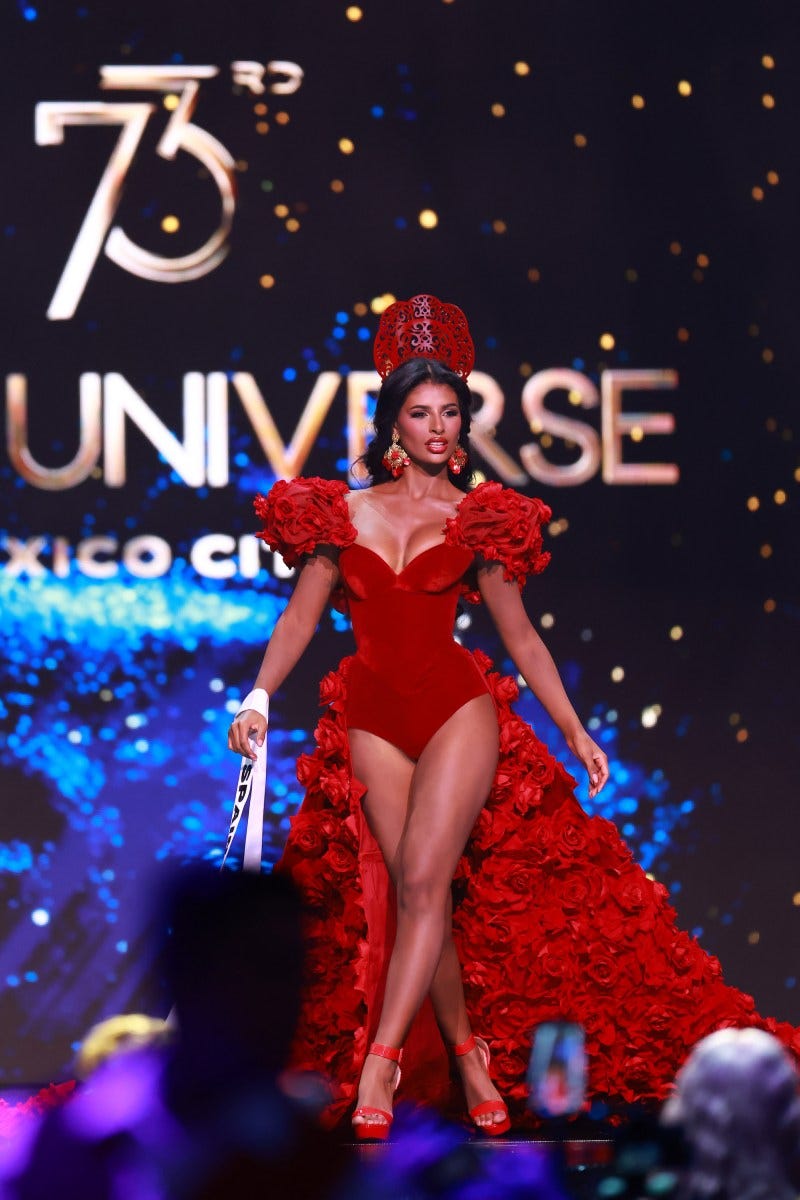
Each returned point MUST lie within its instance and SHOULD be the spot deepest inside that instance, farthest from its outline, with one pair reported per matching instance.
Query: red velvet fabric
(408, 675)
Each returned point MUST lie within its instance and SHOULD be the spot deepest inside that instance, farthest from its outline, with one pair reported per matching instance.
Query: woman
(419, 733)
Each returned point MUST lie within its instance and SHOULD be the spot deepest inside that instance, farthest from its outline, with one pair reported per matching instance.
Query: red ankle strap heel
(376, 1122)
(486, 1107)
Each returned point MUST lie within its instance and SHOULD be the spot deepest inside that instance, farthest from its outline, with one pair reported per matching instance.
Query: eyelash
(453, 412)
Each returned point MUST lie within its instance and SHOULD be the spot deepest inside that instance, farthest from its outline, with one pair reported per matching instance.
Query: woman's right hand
(243, 725)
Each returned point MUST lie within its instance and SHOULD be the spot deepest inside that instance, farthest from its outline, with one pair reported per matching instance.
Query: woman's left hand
(593, 758)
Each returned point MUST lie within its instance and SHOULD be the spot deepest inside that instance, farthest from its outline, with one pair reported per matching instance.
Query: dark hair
(391, 398)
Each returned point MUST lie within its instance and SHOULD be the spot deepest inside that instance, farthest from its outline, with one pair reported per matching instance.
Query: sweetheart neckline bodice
(389, 567)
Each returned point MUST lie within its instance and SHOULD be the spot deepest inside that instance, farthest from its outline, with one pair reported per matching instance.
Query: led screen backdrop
(204, 208)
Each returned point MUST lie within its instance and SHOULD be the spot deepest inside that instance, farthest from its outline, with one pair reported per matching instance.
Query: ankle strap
(465, 1047)
(390, 1052)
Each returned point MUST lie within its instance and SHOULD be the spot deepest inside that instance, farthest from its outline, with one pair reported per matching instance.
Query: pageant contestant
(509, 905)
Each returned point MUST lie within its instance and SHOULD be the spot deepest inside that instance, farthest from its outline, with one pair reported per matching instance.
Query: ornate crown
(423, 327)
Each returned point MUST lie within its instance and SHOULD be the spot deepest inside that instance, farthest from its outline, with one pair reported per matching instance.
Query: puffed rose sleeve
(500, 525)
(298, 515)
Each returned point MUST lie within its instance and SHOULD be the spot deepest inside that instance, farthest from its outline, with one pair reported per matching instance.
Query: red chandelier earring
(395, 458)
(457, 460)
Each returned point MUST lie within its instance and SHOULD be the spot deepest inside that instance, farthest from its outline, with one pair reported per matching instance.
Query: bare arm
(293, 631)
(536, 666)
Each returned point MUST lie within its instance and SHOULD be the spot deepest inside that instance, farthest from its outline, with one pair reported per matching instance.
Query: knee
(421, 891)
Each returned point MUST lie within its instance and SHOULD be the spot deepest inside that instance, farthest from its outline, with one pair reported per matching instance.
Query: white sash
(251, 785)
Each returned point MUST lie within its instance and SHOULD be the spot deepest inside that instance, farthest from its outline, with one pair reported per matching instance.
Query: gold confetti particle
(292, 225)
(632, 275)
(346, 145)
(754, 330)
(734, 718)
(360, 309)
(768, 62)
(796, 899)
(267, 281)
(525, 370)
(106, 694)
(797, 474)
(676, 633)
(354, 13)
(242, 165)
(684, 87)
(428, 219)
(770, 605)
(766, 550)
(767, 355)
(757, 193)
(170, 224)
(522, 68)
(260, 109)
(754, 938)
(780, 496)
(742, 735)
(337, 185)
(499, 226)
(379, 303)
(703, 260)
(546, 440)
(675, 248)
(753, 503)
(498, 110)
(683, 334)
(282, 118)
(637, 101)
(547, 620)
(650, 715)
(171, 101)
(637, 433)
(574, 396)
(768, 100)
(606, 341)
(281, 210)
(534, 275)
(580, 140)
(617, 674)
(262, 127)
(697, 275)
(773, 177)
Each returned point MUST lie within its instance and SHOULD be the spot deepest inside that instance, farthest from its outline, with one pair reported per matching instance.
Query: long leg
(387, 774)
(448, 787)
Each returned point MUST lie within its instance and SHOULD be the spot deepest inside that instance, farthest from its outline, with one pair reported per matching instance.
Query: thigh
(386, 772)
(450, 785)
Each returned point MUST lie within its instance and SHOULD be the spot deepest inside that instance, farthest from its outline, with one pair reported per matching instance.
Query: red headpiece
(423, 327)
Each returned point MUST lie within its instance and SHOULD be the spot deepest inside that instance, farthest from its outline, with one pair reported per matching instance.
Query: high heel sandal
(371, 1129)
(486, 1107)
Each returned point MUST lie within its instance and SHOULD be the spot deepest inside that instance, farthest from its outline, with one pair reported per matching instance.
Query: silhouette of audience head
(737, 1102)
(233, 961)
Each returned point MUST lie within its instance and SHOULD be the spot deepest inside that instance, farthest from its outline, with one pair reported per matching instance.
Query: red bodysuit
(552, 918)
(408, 675)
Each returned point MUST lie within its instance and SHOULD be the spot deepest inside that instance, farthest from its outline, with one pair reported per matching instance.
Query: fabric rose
(333, 690)
(307, 838)
(502, 526)
(300, 514)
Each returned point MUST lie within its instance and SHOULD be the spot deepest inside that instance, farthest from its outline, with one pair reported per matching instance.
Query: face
(429, 424)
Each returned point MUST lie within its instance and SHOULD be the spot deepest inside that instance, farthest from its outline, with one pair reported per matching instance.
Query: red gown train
(553, 918)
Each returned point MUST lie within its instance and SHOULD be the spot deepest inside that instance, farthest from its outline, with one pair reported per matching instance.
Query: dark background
(115, 692)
